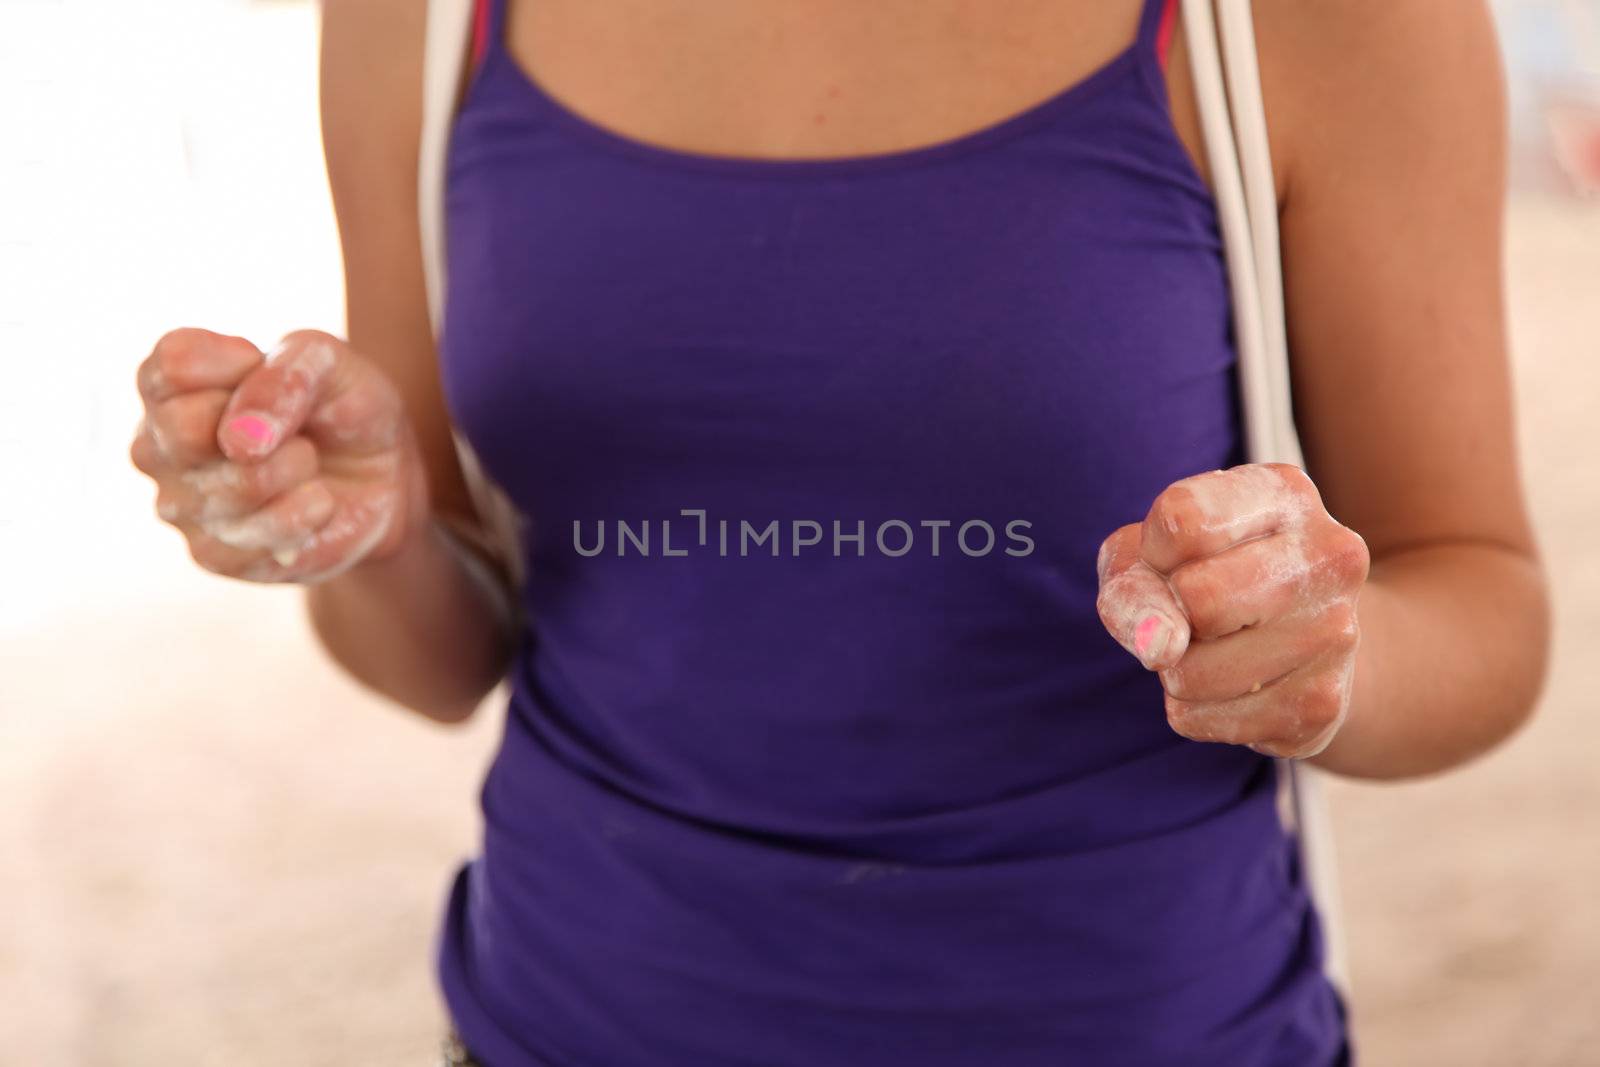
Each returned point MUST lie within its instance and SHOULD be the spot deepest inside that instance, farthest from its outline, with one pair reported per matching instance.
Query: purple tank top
(817, 753)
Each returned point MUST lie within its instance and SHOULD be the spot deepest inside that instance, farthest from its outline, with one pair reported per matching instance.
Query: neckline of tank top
(497, 61)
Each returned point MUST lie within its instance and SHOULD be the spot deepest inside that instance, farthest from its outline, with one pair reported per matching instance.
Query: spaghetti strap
(1156, 25)
(487, 17)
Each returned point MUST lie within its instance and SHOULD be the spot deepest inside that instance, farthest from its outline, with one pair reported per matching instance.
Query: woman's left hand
(1241, 590)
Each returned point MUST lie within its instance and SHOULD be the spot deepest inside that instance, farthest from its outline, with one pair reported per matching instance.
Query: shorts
(452, 1053)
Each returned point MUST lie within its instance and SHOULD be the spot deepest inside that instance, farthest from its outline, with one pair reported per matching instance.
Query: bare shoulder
(1388, 122)
(371, 63)
(371, 106)
(1353, 83)
(1358, 80)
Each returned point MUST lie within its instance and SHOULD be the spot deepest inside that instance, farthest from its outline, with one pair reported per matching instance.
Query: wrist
(412, 547)
(442, 541)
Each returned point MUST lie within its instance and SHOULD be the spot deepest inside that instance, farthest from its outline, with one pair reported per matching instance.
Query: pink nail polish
(1145, 633)
(255, 428)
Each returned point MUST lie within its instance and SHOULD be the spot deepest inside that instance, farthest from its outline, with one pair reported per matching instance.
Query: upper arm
(1389, 117)
(371, 103)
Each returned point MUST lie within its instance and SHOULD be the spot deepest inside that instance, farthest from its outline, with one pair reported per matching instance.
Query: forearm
(429, 627)
(1452, 659)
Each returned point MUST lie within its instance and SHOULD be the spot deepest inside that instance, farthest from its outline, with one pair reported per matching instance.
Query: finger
(144, 453)
(1270, 714)
(1293, 716)
(282, 524)
(356, 528)
(359, 417)
(1247, 584)
(220, 558)
(1252, 717)
(223, 489)
(191, 358)
(184, 427)
(1136, 605)
(1292, 574)
(1203, 514)
(273, 401)
(1249, 660)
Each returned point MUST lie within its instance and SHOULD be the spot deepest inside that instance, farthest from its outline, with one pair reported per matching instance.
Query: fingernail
(1151, 634)
(261, 432)
(321, 508)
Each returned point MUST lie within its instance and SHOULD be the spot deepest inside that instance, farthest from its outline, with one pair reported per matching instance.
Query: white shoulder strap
(444, 50)
(1247, 204)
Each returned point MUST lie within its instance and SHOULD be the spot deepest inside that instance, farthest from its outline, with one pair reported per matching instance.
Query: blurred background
(218, 850)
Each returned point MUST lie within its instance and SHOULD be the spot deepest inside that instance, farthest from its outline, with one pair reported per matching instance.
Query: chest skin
(763, 79)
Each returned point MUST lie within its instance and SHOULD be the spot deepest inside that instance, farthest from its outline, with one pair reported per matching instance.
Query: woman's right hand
(289, 467)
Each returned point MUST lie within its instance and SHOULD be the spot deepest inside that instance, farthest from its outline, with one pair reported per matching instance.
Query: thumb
(1136, 604)
(273, 401)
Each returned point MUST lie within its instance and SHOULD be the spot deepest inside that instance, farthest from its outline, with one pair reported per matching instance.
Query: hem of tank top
(466, 1010)
(1132, 58)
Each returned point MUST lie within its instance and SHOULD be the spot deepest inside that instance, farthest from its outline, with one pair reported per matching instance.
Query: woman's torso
(861, 801)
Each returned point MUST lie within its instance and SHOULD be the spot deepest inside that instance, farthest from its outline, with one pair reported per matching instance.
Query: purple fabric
(864, 808)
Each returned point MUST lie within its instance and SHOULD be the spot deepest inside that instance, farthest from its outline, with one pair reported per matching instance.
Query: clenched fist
(1241, 589)
(289, 467)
